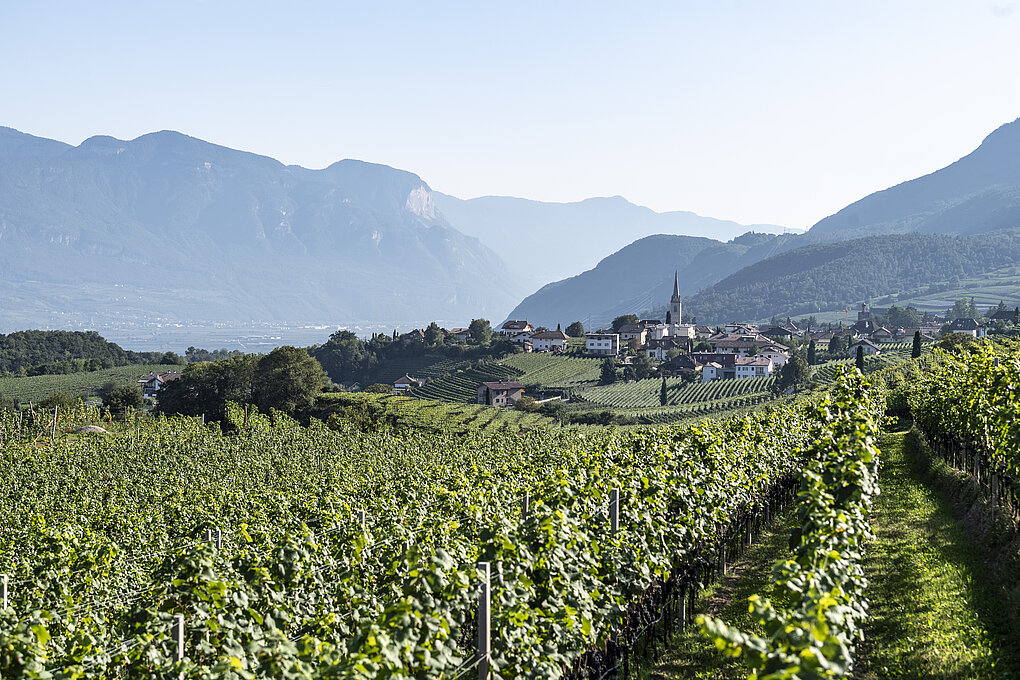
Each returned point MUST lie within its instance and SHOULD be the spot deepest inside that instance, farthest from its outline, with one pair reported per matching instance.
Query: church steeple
(675, 302)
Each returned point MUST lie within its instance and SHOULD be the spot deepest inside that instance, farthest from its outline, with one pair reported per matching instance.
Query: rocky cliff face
(199, 231)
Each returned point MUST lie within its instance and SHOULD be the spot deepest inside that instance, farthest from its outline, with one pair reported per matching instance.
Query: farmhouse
(512, 328)
(549, 341)
(404, 383)
(499, 393)
(154, 382)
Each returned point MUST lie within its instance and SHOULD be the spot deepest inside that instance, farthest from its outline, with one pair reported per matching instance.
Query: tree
(61, 399)
(379, 388)
(702, 346)
(915, 351)
(575, 330)
(663, 396)
(480, 331)
(811, 353)
(623, 320)
(346, 358)
(962, 309)
(608, 373)
(669, 317)
(793, 373)
(204, 388)
(526, 404)
(121, 397)
(433, 334)
(860, 358)
(642, 364)
(288, 380)
(836, 345)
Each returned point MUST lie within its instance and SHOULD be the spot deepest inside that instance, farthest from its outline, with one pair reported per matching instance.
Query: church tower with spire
(675, 302)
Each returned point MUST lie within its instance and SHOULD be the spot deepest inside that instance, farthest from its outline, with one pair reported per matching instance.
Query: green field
(987, 290)
(554, 372)
(83, 385)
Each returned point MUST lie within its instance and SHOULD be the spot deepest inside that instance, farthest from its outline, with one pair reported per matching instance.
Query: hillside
(844, 259)
(833, 275)
(976, 194)
(640, 276)
(550, 241)
(166, 228)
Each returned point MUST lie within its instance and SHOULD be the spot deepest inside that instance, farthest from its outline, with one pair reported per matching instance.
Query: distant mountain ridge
(550, 241)
(171, 227)
(976, 194)
(640, 277)
(875, 247)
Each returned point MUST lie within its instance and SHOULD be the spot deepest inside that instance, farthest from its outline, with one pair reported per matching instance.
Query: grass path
(933, 610)
(692, 655)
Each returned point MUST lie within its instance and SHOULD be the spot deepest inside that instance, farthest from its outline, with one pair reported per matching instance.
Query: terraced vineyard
(894, 353)
(428, 366)
(462, 386)
(646, 393)
(555, 372)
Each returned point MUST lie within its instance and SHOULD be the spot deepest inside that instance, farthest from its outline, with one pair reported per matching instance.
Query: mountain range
(167, 228)
(543, 241)
(919, 235)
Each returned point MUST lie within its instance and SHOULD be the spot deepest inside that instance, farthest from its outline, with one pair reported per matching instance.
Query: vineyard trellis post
(525, 504)
(484, 622)
(614, 510)
(361, 518)
(178, 635)
(3, 590)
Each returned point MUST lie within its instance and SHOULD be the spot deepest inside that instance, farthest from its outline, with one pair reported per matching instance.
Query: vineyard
(407, 412)
(266, 549)
(554, 372)
(646, 393)
(825, 374)
(423, 367)
(968, 406)
(462, 386)
(79, 385)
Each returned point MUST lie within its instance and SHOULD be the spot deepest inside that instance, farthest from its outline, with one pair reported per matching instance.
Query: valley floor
(942, 604)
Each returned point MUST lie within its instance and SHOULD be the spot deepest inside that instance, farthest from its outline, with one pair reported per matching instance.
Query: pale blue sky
(753, 111)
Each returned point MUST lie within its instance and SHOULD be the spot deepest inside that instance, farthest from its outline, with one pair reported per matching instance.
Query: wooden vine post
(614, 510)
(178, 635)
(484, 623)
(3, 590)
(525, 505)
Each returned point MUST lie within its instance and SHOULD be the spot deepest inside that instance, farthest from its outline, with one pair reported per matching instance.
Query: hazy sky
(777, 112)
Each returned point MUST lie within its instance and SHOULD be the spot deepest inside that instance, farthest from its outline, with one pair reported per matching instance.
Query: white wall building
(602, 344)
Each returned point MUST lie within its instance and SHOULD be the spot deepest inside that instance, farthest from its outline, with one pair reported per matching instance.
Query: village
(732, 352)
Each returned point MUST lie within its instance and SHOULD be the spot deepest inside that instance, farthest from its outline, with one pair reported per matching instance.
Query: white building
(549, 341)
(602, 344)
(753, 367)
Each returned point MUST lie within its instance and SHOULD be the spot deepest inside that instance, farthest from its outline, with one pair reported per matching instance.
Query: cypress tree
(811, 353)
(916, 350)
(669, 318)
(860, 358)
(662, 392)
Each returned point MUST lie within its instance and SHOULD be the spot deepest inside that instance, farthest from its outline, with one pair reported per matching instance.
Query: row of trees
(286, 379)
(347, 358)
